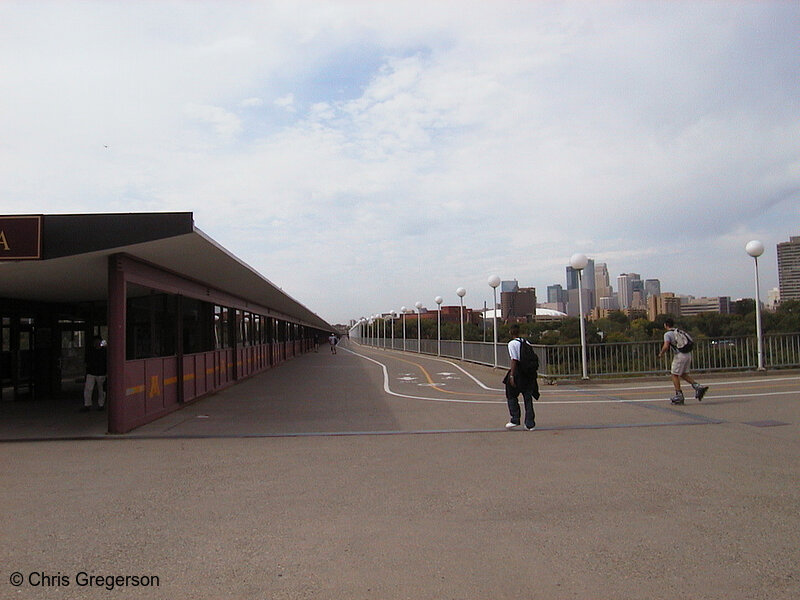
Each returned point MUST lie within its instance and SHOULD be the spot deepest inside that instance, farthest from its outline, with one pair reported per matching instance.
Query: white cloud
(286, 102)
(251, 102)
(226, 124)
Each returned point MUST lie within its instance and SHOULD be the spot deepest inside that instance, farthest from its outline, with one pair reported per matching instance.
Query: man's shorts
(681, 363)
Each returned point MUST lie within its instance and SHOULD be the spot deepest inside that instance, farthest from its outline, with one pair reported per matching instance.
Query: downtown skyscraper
(789, 269)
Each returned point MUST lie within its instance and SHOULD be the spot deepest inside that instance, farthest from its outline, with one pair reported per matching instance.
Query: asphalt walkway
(375, 474)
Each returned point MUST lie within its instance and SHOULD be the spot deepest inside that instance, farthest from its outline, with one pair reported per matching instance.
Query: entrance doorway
(71, 369)
(18, 360)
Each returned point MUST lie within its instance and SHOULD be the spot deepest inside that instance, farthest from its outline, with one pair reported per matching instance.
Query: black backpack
(528, 360)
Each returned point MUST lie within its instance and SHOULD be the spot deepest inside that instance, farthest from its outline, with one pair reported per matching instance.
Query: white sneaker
(511, 425)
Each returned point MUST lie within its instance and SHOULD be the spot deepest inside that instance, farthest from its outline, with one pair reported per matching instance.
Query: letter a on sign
(20, 237)
(155, 389)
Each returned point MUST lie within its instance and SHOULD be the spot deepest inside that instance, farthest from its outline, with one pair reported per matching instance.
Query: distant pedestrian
(521, 379)
(681, 344)
(96, 371)
(333, 341)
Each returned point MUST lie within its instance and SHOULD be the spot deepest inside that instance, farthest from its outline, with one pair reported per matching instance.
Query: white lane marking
(389, 391)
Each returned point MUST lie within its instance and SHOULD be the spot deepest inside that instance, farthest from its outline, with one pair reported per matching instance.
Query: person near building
(96, 372)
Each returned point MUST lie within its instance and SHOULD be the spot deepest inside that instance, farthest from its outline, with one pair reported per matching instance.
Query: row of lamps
(578, 262)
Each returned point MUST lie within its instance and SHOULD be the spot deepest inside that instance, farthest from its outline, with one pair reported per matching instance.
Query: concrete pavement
(373, 474)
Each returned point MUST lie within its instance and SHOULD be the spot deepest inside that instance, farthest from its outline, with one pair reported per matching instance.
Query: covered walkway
(182, 316)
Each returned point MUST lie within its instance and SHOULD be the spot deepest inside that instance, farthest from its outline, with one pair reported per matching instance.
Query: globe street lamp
(755, 249)
(494, 281)
(438, 301)
(391, 326)
(418, 304)
(579, 262)
(461, 293)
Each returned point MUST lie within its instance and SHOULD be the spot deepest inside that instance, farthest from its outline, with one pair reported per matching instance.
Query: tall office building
(602, 283)
(627, 283)
(589, 279)
(555, 293)
(789, 269)
(652, 287)
(572, 279)
(509, 286)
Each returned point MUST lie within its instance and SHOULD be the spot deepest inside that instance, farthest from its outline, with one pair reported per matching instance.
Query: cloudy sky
(366, 155)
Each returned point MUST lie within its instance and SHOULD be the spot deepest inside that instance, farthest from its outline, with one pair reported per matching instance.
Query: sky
(364, 156)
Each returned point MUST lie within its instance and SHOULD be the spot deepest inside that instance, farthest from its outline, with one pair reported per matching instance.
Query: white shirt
(513, 349)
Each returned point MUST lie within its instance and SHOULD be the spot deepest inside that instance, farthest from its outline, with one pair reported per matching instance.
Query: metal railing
(781, 350)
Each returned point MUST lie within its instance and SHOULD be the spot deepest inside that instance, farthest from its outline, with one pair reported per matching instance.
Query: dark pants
(529, 392)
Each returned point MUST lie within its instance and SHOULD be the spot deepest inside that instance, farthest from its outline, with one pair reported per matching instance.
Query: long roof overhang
(74, 261)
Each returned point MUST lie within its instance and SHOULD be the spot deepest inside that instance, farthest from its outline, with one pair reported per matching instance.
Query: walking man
(333, 341)
(681, 345)
(521, 378)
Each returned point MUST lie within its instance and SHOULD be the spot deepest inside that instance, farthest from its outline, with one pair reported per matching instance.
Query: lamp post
(438, 301)
(461, 293)
(404, 310)
(579, 262)
(755, 249)
(418, 304)
(494, 281)
(391, 326)
(383, 318)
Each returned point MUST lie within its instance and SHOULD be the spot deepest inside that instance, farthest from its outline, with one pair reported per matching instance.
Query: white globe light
(461, 292)
(579, 261)
(494, 281)
(403, 309)
(438, 300)
(754, 248)
(418, 304)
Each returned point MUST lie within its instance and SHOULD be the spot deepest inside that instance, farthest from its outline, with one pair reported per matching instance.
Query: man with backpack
(681, 344)
(521, 378)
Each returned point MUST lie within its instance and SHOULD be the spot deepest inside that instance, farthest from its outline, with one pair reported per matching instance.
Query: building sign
(21, 237)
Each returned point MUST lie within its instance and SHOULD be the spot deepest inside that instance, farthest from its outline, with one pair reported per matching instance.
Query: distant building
(663, 304)
(608, 303)
(789, 269)
(573, 306)
(556, 294)
(602, 284)
(450, 314)
(588, 281)
(626, 284)
(652, 287)
(773, 299)
(519, 303)
(695, 306)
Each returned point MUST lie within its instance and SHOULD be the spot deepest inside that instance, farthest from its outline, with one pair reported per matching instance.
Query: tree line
(619, 327)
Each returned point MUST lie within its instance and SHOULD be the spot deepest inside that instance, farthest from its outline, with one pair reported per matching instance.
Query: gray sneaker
(700, 392)
(677, 399)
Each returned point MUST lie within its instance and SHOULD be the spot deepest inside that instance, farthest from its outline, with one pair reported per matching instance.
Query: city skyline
(543, 297)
